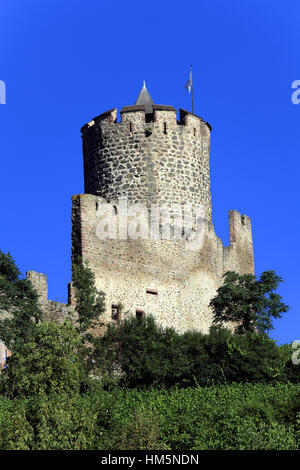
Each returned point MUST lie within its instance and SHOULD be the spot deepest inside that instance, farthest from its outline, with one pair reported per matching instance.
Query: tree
(141, 353)
(48, 362)
(90, 303)
(19, 301)
(46, 357)
(248, 302)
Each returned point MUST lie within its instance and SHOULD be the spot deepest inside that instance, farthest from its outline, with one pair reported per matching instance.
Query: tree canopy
(90, 303)
(18, 297)
(249, 303)
(49, 362)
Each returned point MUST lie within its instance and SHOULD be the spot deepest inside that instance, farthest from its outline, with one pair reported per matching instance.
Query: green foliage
(55, 422)
(248, 302)
(90, 303)
(181, 391)
(139, 353)
(239, 416)
(18, 297)
(140, 433)
(49, 362)
(16, 433)
(62, 422)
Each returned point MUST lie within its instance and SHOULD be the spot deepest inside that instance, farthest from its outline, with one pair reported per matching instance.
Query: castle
(153, 159)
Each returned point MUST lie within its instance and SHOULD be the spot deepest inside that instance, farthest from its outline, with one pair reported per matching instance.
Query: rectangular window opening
(115, 312)
(149, 117)
(151, 291)
(139, 314)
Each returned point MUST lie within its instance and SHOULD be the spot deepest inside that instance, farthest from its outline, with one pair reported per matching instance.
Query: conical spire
(144, 98)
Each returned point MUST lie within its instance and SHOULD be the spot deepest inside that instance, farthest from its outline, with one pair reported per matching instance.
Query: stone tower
(154, 159)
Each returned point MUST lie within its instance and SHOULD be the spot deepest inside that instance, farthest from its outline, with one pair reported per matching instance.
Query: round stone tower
(152, 158)
(149, 156)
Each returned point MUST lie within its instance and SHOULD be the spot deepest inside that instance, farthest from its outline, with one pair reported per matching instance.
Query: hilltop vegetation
(240, 416)
(141, 386)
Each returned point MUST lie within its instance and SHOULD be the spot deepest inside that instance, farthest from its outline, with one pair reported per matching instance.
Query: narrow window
(165, 127)
(139, 314)
(151, 291)
(194, 131)
(115, 209)
(96, 206)
(115, 312)
(243, 219)
(130, 126)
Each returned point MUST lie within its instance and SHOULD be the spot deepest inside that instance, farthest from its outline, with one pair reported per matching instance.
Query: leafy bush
(239, 416)
(48, 363)
(140, 433)
(62, 422)
(16, 433)
(141, 354)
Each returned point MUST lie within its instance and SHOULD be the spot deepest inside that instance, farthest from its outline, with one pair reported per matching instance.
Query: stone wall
(184, 280)
(52, 311)
(153, 160)
(163, 161)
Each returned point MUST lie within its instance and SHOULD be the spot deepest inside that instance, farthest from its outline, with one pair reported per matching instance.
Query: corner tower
(152, 158)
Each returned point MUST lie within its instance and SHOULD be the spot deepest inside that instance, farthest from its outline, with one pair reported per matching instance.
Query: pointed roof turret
(144, 98)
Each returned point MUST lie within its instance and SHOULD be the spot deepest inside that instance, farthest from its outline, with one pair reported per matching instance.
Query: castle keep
(152, 158)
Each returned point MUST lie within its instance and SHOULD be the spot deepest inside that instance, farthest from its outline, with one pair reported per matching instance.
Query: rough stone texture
(151, 159)
(53, 311)
(158, 162)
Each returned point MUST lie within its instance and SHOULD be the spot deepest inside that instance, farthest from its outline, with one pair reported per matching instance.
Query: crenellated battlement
(159, 157)
(149, 156)
(163, 117)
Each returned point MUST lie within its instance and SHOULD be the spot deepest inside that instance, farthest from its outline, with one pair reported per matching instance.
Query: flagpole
(190, 86)
(192, 89)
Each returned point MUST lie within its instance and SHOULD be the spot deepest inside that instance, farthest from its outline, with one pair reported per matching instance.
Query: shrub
(140, 354)
(238, 416)
(48, 363)
(140, 433)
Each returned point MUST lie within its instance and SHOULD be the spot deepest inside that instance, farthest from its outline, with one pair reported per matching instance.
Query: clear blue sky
(65, 62)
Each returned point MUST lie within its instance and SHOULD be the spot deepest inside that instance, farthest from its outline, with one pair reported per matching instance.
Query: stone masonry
(152, 158)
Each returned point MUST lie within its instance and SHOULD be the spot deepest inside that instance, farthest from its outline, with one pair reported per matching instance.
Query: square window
(115, 312)
(139, 314)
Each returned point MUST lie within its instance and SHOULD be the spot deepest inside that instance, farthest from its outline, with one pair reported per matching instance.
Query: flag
(189, 83)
